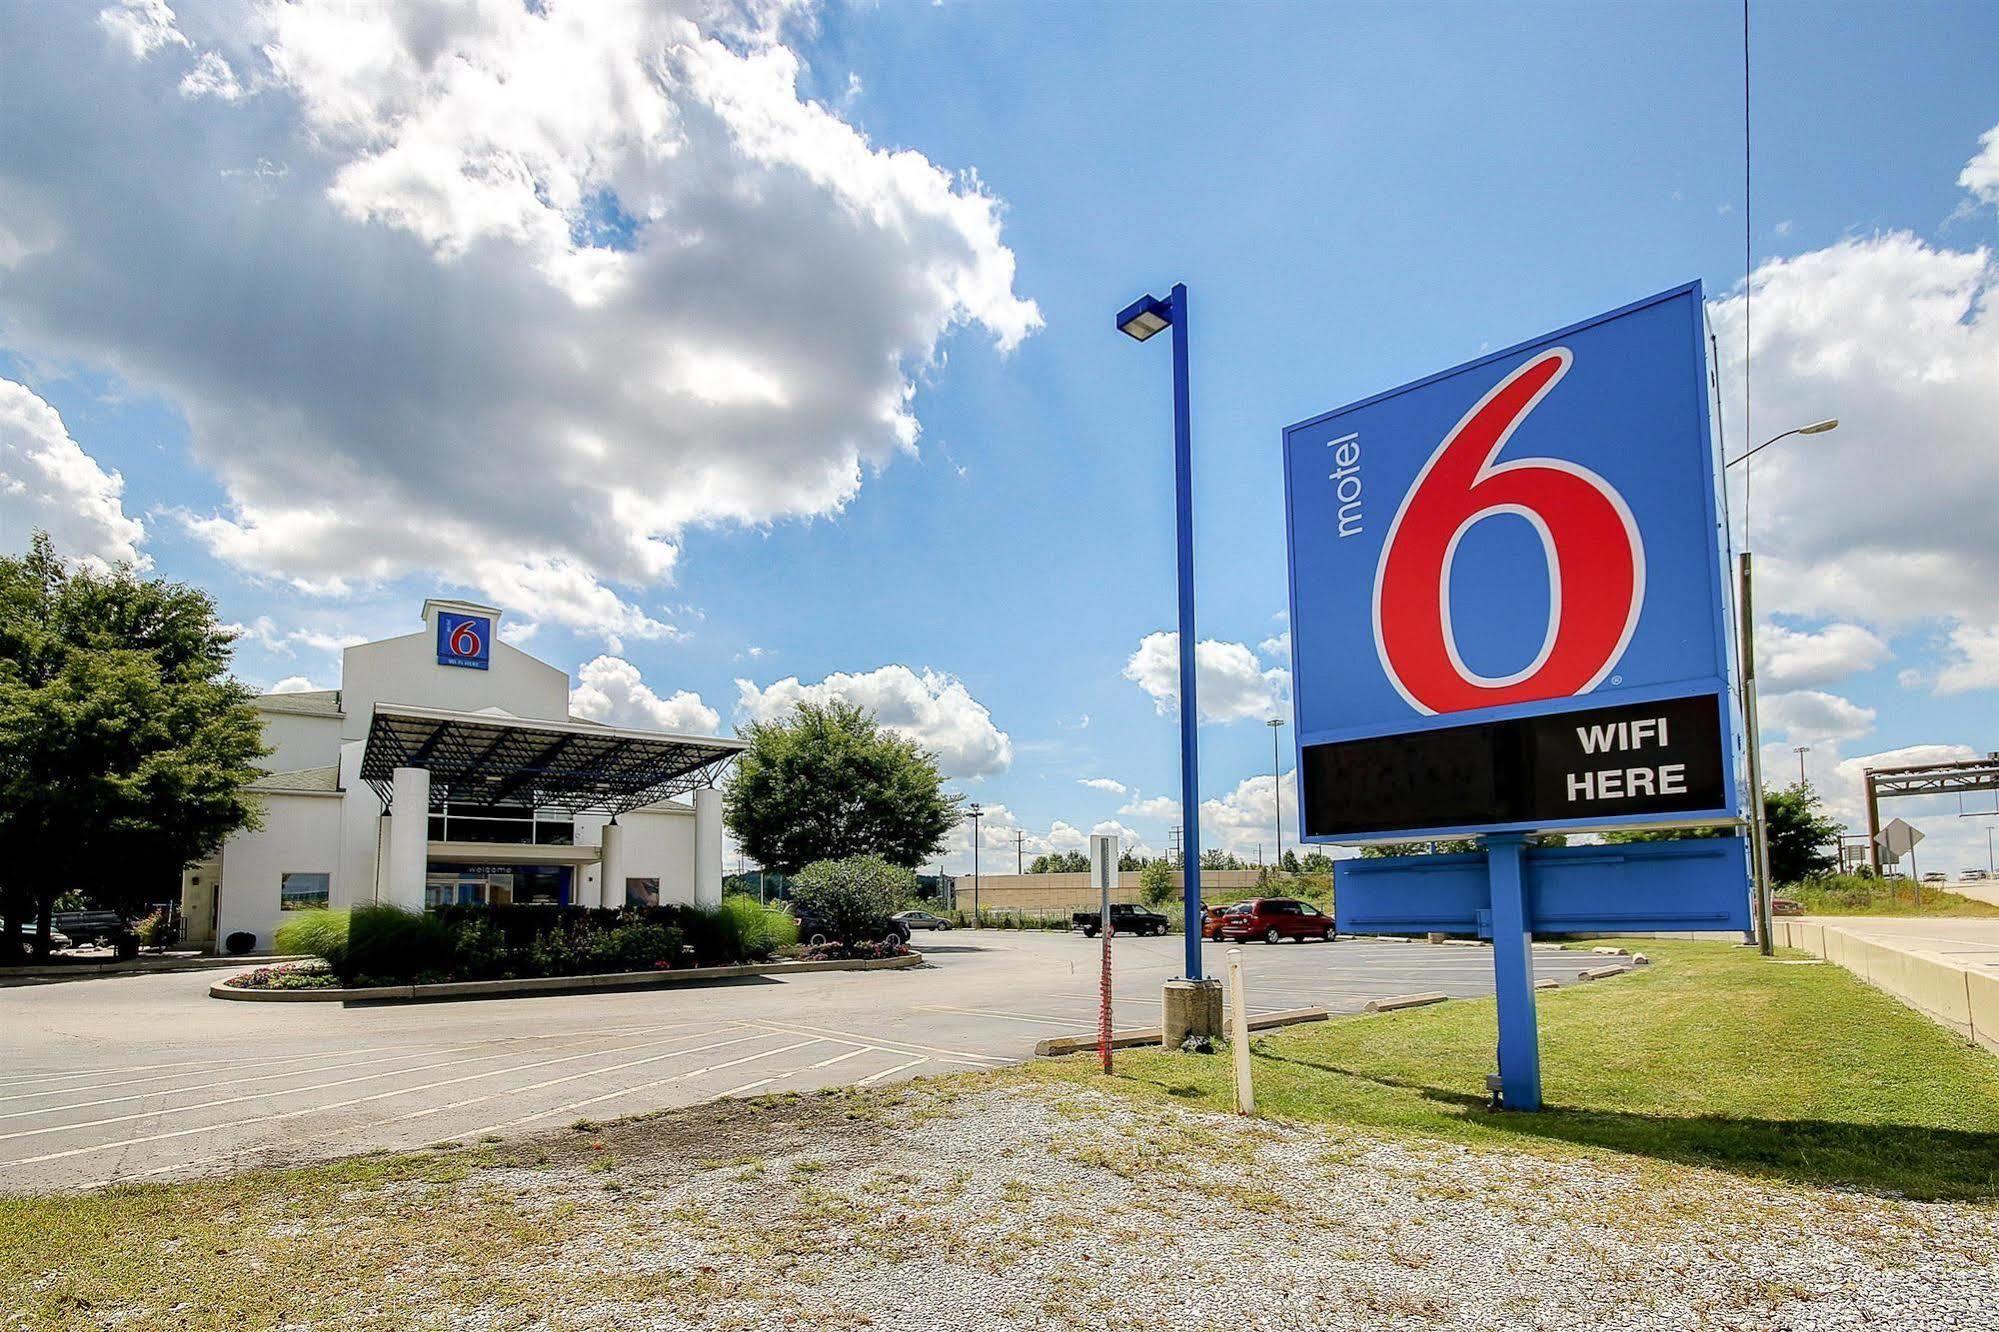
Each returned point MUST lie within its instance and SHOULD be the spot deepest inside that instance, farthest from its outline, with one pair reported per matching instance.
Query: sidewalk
(1945, 968)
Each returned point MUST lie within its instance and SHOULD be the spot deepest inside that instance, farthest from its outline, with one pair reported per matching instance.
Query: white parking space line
(572, 1077)
(889, 1044)
(167, 1077)
(312, 1109)
(1009, 1017)
(200, 1087)
(16, 1079)
(872, 1078)
(644, 1086)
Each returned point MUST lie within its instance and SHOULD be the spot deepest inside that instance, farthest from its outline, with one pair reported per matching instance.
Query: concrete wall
(1964, 1000)
(299, 741)
(300, 832)
(1072, 892)
(659, 844)
(405, 670)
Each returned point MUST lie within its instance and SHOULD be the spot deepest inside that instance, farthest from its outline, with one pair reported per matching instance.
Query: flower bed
(314, 975)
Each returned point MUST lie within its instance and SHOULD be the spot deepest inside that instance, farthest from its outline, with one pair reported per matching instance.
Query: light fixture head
(1820, 427)
(1144, 317)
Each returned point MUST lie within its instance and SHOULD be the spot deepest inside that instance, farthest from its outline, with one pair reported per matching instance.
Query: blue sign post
(1508, 617)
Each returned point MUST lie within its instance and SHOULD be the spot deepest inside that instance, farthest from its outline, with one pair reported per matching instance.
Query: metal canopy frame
(482, 759)
(1953, 778)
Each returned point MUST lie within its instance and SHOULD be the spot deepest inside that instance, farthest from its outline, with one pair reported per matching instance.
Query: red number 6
(1596, 562)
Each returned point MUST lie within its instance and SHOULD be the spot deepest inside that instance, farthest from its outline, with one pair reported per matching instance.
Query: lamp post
(1759, 828)
(1276, 724)
(1801, 751)
(975, 813)
(1140, 320)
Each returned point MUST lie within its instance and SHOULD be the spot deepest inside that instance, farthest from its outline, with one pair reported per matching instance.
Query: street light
(1276, 724)
(975, 814)
(1140, 320)
(1801, 751)
(1746, 613)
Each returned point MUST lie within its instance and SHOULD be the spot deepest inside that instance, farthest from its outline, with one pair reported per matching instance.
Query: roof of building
(492, 758)
(303, 702)
(299, 781)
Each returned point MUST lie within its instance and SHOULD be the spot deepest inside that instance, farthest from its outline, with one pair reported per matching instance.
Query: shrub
(479, 949)
(156, 931)
(392, 945)
(1155, 883)
(852, 897)
(239, 942)
(321, 934)
(759, 930)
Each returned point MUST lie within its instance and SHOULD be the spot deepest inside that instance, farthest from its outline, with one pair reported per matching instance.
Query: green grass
(1851, 895)
(1710, 1057)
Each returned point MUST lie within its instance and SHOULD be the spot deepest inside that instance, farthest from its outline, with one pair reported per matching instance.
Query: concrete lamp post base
(1192, 1012)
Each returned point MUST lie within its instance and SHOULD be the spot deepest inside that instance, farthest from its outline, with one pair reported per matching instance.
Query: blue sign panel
(464, 640)
(1684, 885)
(1507, 596)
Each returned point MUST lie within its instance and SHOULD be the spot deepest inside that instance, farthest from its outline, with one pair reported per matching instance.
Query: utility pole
(975, 813)
(1019, 838)
(1801, 751)
(1276, 724)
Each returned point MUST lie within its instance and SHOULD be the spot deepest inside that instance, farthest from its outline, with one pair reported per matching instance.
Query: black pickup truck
(1125, 919)
(91, 927)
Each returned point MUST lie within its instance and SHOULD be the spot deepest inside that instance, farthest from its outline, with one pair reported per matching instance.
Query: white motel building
(447, 768)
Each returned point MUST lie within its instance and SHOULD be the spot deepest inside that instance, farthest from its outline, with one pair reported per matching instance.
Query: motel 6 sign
(1507, 591)
(464, 640)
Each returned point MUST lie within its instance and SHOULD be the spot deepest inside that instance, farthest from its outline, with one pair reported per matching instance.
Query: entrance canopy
(490, 758)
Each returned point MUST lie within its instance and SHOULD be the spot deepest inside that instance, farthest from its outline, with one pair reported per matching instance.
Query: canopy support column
(409, 839)
(707, 846)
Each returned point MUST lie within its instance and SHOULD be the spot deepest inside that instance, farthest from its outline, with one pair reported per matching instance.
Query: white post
(409, 839)
(708, 847)
(1245, 1093)
(611, 867)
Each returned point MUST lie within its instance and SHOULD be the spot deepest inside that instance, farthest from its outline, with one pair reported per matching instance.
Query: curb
(1601, 973)
(504, 989)
(1399, 1001)
(155, 967)
(1054, 1046)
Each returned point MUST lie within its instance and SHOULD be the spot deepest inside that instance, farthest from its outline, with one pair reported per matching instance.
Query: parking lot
(145, 1077)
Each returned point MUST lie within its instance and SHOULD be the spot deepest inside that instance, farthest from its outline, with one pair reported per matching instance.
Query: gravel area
(1054, 1207)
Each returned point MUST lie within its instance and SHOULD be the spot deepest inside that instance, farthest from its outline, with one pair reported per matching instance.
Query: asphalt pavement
(145, 1077)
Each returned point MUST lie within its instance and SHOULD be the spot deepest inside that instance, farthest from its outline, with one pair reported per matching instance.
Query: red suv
(1273, 918)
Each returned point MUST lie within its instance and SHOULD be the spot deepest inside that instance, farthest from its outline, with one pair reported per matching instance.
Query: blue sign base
(1509, 891)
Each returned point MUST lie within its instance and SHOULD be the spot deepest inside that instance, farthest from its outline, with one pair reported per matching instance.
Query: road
(145, 1077)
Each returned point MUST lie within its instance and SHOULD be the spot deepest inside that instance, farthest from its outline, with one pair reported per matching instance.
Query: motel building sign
(447, 769)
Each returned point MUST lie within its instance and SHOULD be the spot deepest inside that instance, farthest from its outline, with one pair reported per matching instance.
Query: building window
(302, 890)
(641, 892)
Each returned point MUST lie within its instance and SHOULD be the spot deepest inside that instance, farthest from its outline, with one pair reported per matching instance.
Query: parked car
(1786, 906)
(921, 920)
(91, 927)
(813, 930)
(1126, 918)
(1972, 875)
(1272, 919)
(57, 939)
(1211, 921)
(1936, 876)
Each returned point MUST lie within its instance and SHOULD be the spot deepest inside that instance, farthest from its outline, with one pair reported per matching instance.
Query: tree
(1214, 858)
(1450, 846)
(125, 747)
(1155, 883)
(1804, 841)
(829, 782)
(1317, 862)
(1290, 863)
(1130, 860)
(852, 898)
(1060, 862)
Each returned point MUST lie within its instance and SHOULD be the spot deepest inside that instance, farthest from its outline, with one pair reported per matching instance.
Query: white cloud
(1973, 661)
(1104, 784)
(610, 690)
(1980, 177)
(1277, 647)
(47, 481)
(141, 26)
(293, 684)
(599, 273)
(1231, 684)
(1887, 521)
(1789, 658)
(1246, 817)
(932, 709)
(1129, 840)
(1809, 716)
(1161, 807)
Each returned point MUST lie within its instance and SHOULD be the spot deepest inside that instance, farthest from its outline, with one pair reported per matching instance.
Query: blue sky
(1356, 196)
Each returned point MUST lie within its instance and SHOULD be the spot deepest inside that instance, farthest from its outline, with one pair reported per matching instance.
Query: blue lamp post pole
(1140, 320)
